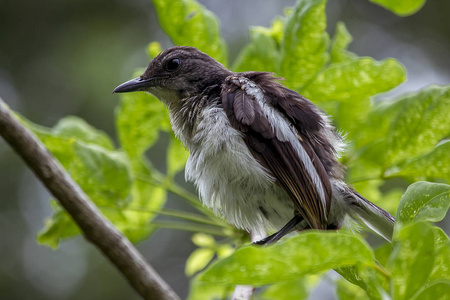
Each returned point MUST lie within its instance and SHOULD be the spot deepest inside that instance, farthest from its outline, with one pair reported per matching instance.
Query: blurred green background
(65, 58)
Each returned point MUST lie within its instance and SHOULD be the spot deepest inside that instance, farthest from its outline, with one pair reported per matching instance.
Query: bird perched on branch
(261, 155)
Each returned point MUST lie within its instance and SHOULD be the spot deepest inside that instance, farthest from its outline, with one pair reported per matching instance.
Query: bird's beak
(134, 85)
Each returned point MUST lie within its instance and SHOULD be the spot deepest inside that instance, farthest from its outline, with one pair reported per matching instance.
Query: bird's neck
(186, 113)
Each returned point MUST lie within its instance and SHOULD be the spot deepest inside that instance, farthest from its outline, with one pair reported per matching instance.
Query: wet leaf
(412, 259)
(295, 289)
(261, 54)
(420, 124)
(439, 290)
(320, 251)
(305, 42)
(208, 291)
(424, 201)
(339, 44)
(434, 164)
(139, 118)
(401, 7)
(355, 80)
(189, 23)
(198, 260)
(203, 240)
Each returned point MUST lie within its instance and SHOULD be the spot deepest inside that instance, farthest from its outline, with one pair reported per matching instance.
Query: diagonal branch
(95, 227)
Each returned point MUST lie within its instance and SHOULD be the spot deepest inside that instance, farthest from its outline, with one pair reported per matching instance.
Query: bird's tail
(372, 216)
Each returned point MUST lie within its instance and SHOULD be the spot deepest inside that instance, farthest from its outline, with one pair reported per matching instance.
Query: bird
(261, 155)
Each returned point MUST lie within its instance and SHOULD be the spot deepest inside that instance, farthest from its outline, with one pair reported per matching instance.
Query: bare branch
(95, 227)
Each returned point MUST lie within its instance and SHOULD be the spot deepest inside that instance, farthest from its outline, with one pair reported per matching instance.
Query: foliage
(401, 7)
(395, 140)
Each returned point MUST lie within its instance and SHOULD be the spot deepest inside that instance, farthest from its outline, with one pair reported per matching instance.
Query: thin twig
(157, 179)
(357, 180)
(190, 227)
(95, 227)
(168, 212)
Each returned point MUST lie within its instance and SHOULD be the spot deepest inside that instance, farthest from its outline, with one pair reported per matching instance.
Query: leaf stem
(365, 179)
(379, 268)
(192, 217)
(190, 227)
(171, 213)
(158, 179)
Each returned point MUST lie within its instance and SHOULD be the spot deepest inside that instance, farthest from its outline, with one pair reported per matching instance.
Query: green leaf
(437, 291)
(382, 253)
(366, 278)
(61, 148)
(401, 7)
(146, 200)
(295, 289)
(350, 78)
(434, 164)
(139, 118)
(72, 127)
(440, 238)
(412, 259)
(347, 291)
(198, 260)
(261, 54)
(102, 174)
(208, 291)
(377, 124)
(57, 228)
(305, 42)
(225, 250)
(403, 134)
(203, 240)
(153, 49)
(105, 177)
(420, 124)
(321, 251)
(339, 44)
(189, 23)
(348, 118)
(60, 139)
(424, 201)
(441, 268)
(355, 80)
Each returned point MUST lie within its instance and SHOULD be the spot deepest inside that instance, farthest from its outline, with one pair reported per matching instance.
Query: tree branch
(95, 227)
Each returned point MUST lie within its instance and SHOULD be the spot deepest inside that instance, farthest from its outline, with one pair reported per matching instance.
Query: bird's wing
(283, 150)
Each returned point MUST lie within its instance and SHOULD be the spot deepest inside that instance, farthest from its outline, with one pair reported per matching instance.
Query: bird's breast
(230, 180)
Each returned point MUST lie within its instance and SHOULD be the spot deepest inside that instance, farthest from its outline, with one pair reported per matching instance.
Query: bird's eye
(173, 64)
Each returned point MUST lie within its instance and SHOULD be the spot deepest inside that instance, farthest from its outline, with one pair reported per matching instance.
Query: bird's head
(177, 73)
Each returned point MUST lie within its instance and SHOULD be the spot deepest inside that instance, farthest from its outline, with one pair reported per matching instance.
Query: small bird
(261, 155)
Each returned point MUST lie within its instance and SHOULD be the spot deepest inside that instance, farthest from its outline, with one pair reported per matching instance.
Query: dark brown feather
(244, 107)
(279, 157)
(304, 116)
